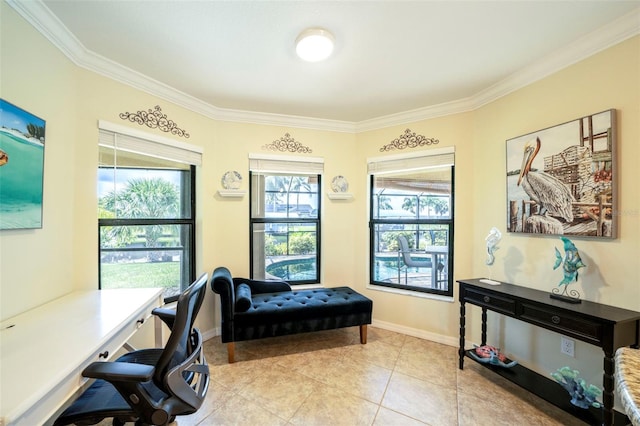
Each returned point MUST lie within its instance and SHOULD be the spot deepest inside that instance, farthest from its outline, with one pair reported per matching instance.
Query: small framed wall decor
(21, 167)
(562, 180)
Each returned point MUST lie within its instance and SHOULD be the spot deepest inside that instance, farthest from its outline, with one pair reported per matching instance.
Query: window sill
(417, 294)
(305, 286)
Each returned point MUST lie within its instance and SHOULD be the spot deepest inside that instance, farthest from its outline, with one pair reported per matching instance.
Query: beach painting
(21, 168)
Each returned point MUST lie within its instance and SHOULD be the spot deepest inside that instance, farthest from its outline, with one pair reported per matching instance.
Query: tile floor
(329, 378)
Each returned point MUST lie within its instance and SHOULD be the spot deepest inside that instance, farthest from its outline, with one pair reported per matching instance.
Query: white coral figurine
(582, 396)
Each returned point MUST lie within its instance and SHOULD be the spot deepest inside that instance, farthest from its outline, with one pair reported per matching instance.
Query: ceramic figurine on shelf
(582, 396)
(492, 241)
(571, 263)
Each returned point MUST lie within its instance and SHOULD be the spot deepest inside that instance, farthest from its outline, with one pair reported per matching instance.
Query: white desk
(44, 350)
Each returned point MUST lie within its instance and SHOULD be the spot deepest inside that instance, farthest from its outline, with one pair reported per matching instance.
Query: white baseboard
(414, 332)
(210, 334)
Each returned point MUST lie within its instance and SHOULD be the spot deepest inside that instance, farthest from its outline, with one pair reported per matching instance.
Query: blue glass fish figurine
(571, 262)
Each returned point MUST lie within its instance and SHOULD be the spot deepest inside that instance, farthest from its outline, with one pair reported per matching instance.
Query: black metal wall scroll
(409, 139)
(287, 144)
(155, 119)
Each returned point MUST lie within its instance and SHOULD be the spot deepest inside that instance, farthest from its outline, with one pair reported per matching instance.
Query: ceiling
(391, 57)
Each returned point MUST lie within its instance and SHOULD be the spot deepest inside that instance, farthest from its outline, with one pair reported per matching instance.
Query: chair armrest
(119, 371)
(266, 286)
(167, 316)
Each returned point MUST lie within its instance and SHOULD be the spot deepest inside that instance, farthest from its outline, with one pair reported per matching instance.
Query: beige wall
(424, 317)
(610, 79)
(40, 265)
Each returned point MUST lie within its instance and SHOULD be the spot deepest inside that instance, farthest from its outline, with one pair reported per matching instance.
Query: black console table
(604, 326)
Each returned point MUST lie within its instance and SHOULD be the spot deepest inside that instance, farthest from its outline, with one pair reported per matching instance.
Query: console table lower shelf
(550, 391)
(604, 326)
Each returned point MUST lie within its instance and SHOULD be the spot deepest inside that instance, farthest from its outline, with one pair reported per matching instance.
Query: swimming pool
(293, 269)
(304, 268)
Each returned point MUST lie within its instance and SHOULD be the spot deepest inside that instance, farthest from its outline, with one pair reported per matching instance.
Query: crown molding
(40, 17)
(286, 120)
(602, 38)
(401, 118)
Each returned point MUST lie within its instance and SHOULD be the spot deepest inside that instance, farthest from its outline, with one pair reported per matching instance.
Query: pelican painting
(553, 196)
(561, 179)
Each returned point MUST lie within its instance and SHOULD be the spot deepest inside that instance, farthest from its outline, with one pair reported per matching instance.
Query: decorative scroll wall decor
(409, 140)
(155, 119)
(287, 144)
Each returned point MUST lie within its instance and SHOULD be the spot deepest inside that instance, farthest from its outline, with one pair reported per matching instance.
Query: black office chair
(150, 386)
(152, 355)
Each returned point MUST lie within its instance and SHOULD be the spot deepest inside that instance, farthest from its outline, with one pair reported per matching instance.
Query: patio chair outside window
(431, 256)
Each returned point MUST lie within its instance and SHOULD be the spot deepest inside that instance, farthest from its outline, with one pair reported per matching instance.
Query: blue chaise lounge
(253, 309)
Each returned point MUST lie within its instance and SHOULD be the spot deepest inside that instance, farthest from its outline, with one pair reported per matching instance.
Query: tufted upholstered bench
(253, 309)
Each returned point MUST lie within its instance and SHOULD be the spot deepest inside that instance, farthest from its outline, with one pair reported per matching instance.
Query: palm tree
(275, 188)
(440, 205)
(384, 202)
(35, 131)
(278, 187)
(420, 203)
(298, 183)
(141, 198)
(411, 203)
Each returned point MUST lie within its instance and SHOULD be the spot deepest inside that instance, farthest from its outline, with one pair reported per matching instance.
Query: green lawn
(140, 275)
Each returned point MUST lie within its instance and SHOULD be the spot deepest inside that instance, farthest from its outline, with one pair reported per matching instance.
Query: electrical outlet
(567, 346)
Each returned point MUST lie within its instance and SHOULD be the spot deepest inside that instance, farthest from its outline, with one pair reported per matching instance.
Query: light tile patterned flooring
(329, 378)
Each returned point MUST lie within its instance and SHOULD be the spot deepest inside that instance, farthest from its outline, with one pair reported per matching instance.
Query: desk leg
(462, 330)
(608, 384)
(484, 327)
(157, 326)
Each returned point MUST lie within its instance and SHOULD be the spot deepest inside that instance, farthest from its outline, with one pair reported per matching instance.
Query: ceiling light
(314, 44)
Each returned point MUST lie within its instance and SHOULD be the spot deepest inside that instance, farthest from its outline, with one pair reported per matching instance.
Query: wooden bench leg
(231, 351)
(363, 334)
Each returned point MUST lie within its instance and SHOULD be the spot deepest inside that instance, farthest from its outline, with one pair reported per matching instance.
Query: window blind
(286, 164)
(408, 162)
(125, 139)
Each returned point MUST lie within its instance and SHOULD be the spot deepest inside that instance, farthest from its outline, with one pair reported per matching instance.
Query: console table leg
(462, 329)
(484, 326)
(607, 393)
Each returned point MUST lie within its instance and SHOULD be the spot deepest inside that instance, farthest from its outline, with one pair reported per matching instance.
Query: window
(285, 219)
(146, 213)
(411, 222)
